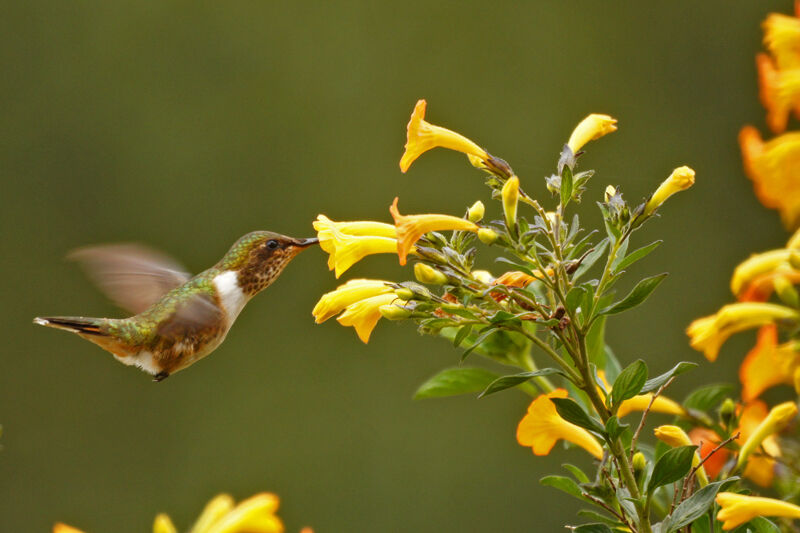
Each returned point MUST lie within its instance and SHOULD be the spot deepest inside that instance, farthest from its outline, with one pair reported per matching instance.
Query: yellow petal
(681, 179)
(163, 524)
(767, 364)
(411, 227)
(592, 127)
(737, 509)
(364, 314)
(423, 136)
(675, 436)
(640, 402)
(64, 528)
(214, 510)
(253, 515)
(334, 302)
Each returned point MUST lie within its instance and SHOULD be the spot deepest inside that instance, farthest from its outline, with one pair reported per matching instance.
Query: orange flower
(515, 278)
(707, 440)
(411, 227)
(422, 136)
(782, 39)
(768, 364)
(779, 91)
(760, 469)
(541, 427)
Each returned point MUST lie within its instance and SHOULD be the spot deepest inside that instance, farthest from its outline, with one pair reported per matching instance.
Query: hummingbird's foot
(161, 376)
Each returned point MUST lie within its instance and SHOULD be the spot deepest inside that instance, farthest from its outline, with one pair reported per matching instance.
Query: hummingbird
(178, 319)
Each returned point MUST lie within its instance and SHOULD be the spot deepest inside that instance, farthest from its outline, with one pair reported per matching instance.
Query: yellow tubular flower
(757, 265)
(510, 195)
(253, 515)
(778, 417)
(782, 39)
(411, 227)
(773, 166)
(163, 524)
(760, 468)
(640, 402)
(422, 136)
(779, 91)
(64, 528)
(334, 302)
(364, 314)
(675, 436)
(768, 364)
(592, 127)
(541, 427)
(681, 179)
(349, 242)
(737, 509)
(214, 510)
(707, 334)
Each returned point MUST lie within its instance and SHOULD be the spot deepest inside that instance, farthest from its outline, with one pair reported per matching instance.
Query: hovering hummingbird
(178, 319)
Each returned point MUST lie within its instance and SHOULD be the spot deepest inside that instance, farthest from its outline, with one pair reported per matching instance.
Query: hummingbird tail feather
(75, 324)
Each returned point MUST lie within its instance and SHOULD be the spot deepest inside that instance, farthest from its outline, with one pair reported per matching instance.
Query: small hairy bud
(476, 212)
(394, 312)
(427, 274)
(487, 236)
(639, 462)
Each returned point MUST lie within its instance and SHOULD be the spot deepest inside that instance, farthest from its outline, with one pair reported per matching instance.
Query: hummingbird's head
(260, 257)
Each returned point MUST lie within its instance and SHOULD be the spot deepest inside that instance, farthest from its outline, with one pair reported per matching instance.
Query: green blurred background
(186, 124)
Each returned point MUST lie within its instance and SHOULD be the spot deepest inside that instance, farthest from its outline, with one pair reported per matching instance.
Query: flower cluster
(222, 515)
(773, 165)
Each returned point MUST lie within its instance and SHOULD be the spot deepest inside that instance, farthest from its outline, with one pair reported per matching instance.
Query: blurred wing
(132, 276)
(197, 317)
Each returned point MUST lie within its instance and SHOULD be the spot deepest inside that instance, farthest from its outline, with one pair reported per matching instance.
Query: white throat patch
(230, 294)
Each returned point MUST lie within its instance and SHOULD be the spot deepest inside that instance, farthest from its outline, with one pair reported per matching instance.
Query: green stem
(566, 367)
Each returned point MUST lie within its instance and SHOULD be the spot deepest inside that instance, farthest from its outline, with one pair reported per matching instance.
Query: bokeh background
(186, 124)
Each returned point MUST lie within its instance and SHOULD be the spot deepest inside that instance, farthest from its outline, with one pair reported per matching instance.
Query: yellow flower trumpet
(773, 167)
(782, 39)
(589, 129)
(736, 509)
(768, 364)
(707, 334)
(423, 136)
(510, 194)
(779, 91)
(778, 417)
(411, 227)
(757, 266)
(541, 427)
(334, 302)
(681, 179)
(675, 436)
(364, 314)
(641, 402)
(349, 242)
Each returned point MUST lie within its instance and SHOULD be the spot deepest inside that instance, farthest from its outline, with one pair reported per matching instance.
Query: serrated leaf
(573, 413)
(461, 335)
(672, 466)
(629, 382)
(563, 484)
(708, 397)
(454, 381)
(506, 382)
(593, 528)
(636, 255)
(637, 296)
(695, 506)
(652, 385)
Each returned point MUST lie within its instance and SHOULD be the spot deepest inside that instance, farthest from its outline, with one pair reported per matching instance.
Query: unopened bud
(510, 195)
(639, 463)
(727, 411)
(394, 312)
(610, 192)
(681, 179)
(487, 236)
(592, 127)
(404, 293)
(427, 274)
(484, 276)
(786, 291)
(476, 211)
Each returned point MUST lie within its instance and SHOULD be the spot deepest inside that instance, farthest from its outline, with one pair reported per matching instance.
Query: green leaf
(461, 335)
(629, 382)
(652, 385)
(591, 258)
(570, 411)
(592, 528)
(637, 296)
(614, 428)
(759, 525)
(577, 472)
(636, 255)
(563, 484)
(503, 316)
(708, 397)
(596, 343)
(485, 332)
(695, 506)
(453, 381)
(566, 185)
(506, 382)
(574, 297)
(671, 467)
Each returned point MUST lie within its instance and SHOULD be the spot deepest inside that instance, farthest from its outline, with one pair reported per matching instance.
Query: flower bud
(487, 236)
(510, 200)
(484, 276)
(681, 179)
(394, 312)
(610, 192)
(427, 274)
(404, 293)
(727, 411)
(476, 211)
(639, 463)
(777, 418)
(592, 127)
(786, 291)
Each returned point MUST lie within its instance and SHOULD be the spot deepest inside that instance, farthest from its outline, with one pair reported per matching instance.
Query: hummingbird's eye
(272, 244)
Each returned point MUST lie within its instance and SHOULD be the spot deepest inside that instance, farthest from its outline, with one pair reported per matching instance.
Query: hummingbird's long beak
(303, 243)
